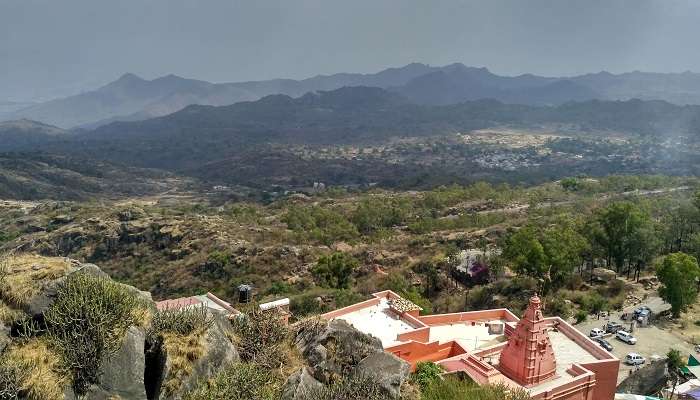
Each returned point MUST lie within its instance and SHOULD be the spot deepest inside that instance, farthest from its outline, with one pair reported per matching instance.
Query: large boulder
(338, 350)
(46, 295)
(647, 379)
(299, 384)
(604, 274)
(165, 376)
(121, 376)
(389, 371)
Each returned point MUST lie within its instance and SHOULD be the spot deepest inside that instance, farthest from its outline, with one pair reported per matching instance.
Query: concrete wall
(345, 310)
(481, 316)
(415, 352)
(581, 388)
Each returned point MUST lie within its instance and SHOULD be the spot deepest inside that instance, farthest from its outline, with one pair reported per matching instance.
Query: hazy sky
(56, 47)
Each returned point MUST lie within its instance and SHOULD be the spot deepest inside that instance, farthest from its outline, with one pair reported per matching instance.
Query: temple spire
(528, 358)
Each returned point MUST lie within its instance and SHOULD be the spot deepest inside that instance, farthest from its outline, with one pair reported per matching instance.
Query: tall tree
(548, 254)
(620, 234)
(679, 274)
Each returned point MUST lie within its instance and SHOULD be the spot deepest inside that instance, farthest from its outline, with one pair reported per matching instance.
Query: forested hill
(230, 143)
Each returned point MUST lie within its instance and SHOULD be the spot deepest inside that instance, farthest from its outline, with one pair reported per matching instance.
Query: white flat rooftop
(468, 336)
(378, 321)
(567, 353)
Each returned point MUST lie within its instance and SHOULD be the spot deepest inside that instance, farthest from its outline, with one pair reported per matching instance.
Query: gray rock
(337, 350)
(122, 375)
(4, 337)
(46, 296)
(389, 371)
(47, 293)
(646, 379)
(299, 384)
(219, 354)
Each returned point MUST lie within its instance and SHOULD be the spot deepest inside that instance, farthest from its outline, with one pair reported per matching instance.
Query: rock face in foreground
(299, 384)
(338, 350)
(168, 378)
(141, 368)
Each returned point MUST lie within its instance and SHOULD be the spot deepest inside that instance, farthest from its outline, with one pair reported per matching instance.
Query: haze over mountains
(132, 98)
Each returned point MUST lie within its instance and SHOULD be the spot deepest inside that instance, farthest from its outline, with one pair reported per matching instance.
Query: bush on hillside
(87, 324)
(356, 387)
(241, 381)
(335, 271)
(426, 374)
(260, 336)
(183, 321)
(455, 389)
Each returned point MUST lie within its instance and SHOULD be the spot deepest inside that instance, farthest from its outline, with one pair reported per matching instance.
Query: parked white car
(626, 337)
(595, 332)
(634, 359)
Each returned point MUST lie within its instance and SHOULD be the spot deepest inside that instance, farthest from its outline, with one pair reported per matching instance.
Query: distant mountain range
(192, 138)
(248, 143)
(131, 98)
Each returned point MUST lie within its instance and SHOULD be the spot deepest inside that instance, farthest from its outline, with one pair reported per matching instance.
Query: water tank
(245, 294)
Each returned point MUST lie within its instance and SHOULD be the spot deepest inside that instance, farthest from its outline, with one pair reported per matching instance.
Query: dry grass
(293, 361)
(47, 378)
(24, 274)
(9, 315)
(182, 353)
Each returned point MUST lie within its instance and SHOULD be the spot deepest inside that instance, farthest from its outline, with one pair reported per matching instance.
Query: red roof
(182, 302)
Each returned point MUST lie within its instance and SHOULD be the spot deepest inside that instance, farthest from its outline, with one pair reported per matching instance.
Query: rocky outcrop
(122, 375)
(165, 378)
(389, 371)
(299, 384)
(645, 380)
(46, 294)
(338, 350)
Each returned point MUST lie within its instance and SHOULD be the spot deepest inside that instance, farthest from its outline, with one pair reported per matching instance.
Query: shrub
(12, 376)
(581, 316)
(558, 307)
(426, 374)
(259, 337)
(335, 271)
(87, 324)
(42, 375)
(183, 321)
(305, 304)
(454, 389)
(356, 387)
(241, 381)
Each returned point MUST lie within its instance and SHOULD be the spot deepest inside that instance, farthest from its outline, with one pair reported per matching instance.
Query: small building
(209, 300)
(547, 357)
(281, 305)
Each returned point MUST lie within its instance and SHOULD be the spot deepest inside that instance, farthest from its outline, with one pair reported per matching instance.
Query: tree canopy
(679, 274)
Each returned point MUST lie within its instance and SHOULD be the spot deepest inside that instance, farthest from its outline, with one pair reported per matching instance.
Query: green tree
(679, 273)
(549, 255)
(621, 225)
(674, 363)
(335, 270)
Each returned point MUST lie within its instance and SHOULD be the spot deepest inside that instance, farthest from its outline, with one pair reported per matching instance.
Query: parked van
(626, 337)
(634, 359)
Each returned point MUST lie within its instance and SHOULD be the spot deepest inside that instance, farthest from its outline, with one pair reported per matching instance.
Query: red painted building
(545, 356)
